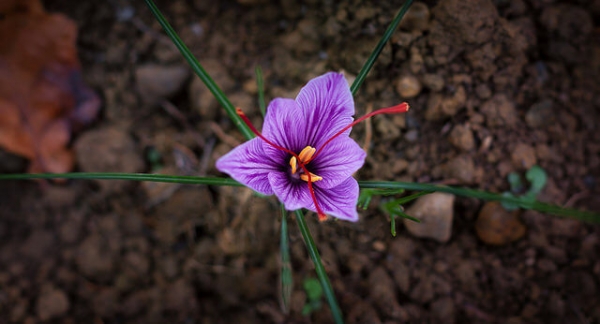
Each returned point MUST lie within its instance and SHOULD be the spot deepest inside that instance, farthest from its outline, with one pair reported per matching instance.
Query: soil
(494, 86)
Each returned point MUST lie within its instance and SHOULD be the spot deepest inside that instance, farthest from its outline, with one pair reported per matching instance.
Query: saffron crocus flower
(305, 155)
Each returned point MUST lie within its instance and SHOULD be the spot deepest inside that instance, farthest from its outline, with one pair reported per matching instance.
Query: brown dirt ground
(504, 85)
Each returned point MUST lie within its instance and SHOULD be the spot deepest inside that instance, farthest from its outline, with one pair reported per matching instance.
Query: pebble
(383, 294)
(51, 303)
(108, 149)
(416, 18)
(444, 310)
(499, 111)
(157, 82)
(412, 135)
(93, 258)
(497, 226)
(523, 156)
(461, 168)
(451, 105)
(435, 211)
(540, 114)
(483, 91)
(434, 82)
(408, 86)
(386, 128)
(38, 244)
(432, 109)
(399, 165)
(462, 138)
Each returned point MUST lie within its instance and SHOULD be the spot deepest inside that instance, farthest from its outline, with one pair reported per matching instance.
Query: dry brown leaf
(42, 95)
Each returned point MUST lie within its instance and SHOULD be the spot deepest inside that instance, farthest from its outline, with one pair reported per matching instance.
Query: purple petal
(339, 201)
(327, 107)
(249, 165)
(285, 126)
(293, 194)
(337, 161)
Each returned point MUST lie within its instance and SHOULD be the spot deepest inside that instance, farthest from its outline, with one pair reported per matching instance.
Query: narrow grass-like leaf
(465, 192)
(364, 71)
(213, 181)
(260, 84)
(319, 268)
(407, 199)
(287, 281)
(364, 199)
(199, 70)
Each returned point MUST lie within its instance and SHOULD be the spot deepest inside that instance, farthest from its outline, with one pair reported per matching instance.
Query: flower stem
(287, 281)
(199, 70)
(319, 268)
(362, 75)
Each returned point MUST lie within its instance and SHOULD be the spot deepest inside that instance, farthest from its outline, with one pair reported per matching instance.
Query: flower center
(305, 156)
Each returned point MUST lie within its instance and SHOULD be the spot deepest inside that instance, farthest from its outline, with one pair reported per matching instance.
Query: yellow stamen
(293, 164)
(306, 154)
(313, 177)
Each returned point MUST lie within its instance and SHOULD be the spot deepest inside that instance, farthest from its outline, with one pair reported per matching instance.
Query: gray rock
(499, 111)
(540, 114)
(408, 86)
(435, 211)
(51, 303)
(462, 138)
(416, 18)
(523, 156)
(157, 82)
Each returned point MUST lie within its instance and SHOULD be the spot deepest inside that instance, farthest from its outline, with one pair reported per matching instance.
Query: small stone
(399, 165)
(444, 310)
(157, 82)
(416, 18)
(168, 266)
(451, 105)
(51, 303)
(435, 211)
(461, 168)
(70, 231)
(94, 259)
(499, 111)
(106, 302)
(180, 296)
(422, 292)
(38, 244)
(136, 264)
(497, 226)
(416, 63)
(412, 135)
(540, 114)
(386, 128)
(108, 149)
(483, 91)
(523, 156)
(462, 137)
(408, 86)
(434, 82)
(432, 110)
(382, 291)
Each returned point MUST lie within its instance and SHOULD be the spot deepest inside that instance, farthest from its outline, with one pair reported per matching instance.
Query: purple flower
(304, 155)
